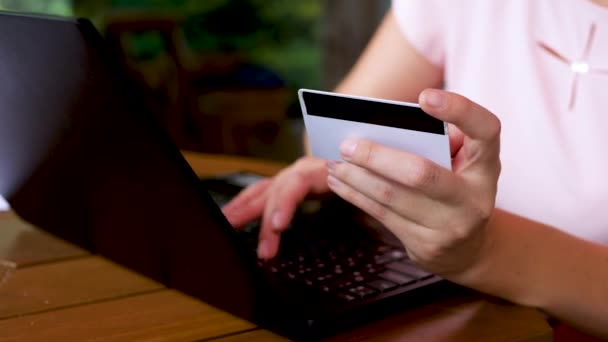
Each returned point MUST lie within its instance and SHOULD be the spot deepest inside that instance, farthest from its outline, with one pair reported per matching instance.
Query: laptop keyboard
(349, 271)
(351, 266)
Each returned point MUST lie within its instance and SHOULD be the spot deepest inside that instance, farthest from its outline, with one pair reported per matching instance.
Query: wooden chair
(199, 114)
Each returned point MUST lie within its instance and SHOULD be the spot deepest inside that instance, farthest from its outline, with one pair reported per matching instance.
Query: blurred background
(223, 75)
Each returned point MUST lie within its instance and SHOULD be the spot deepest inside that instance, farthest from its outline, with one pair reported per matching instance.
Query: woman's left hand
(440, 215)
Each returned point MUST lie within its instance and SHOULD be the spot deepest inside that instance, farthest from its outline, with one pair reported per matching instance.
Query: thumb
(473, 120)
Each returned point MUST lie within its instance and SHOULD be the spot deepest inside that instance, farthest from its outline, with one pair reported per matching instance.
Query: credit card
(330, 118)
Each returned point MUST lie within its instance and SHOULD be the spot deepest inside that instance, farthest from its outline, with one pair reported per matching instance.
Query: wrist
(507, 262)
(481, 261)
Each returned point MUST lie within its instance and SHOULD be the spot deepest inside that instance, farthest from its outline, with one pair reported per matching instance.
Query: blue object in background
(244, 76)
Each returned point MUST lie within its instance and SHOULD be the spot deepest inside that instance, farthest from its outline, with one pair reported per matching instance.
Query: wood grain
(23, 244)
(67, 283)
(162, 316)
(209, 165)
(254, 336)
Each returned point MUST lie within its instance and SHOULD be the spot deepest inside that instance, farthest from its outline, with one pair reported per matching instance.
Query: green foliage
(282, 35)
(54, 7)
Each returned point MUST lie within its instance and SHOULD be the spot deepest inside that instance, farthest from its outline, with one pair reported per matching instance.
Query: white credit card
(331, 118)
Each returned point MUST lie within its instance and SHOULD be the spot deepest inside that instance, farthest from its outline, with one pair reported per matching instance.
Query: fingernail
(277, 220)
(434, 98)
(263, 249)
(348, 147)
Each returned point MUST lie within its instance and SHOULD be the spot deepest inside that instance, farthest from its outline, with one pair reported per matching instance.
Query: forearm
(536, 265)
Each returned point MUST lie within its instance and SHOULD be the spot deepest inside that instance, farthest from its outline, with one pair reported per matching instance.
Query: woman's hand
(275, 200)
(439, 215)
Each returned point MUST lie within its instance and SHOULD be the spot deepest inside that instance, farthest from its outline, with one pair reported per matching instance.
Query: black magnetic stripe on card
(371, 112)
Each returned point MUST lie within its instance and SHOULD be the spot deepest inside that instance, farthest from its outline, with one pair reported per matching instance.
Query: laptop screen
(82, 158)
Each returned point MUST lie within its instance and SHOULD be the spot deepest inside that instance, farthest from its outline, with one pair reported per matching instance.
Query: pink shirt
(542, 67)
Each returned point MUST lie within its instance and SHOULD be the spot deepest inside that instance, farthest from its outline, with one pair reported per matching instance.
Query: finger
(268, 246)
(406, 202)
(418, 240)
(284, 200)
(281, 205)
(290, 188)
(402, 167)
(253, 210)
(406, 231)
(246, 196)
(247, 205)
(287, 191)
(473, 120)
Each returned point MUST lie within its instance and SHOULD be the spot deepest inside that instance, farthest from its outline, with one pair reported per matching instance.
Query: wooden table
(53, 291)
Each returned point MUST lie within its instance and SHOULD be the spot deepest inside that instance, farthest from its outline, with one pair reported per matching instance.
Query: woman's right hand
(276, 199)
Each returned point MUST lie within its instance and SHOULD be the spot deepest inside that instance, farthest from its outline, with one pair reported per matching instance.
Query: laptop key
(304, 271)
(382, 285)
(323, 278)
(341, 284)
(357, 277)
(398, 254)
(383, 259)
(324, 288)
(406, 268)
(362, 291)
(309, 281)
(346, 297)
(338, 270)
(392, 255)
(382, 248)
(372, 270)
(397, 278)
(350, 262)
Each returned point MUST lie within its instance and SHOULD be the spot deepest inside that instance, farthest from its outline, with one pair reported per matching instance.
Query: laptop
(82, 158)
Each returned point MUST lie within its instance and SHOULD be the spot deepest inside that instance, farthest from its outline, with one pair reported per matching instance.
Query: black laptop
(82, 158)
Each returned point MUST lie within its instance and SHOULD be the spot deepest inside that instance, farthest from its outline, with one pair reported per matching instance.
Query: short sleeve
(422, 23)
